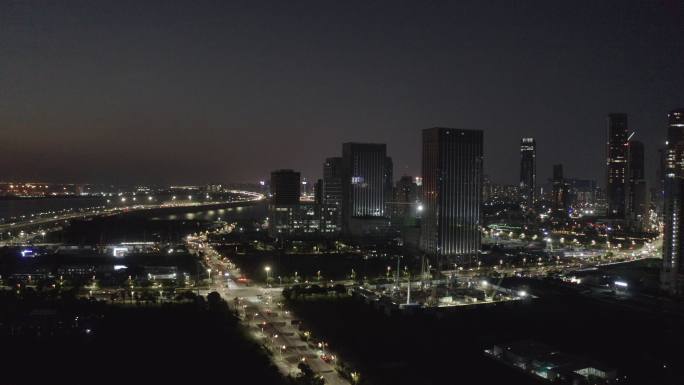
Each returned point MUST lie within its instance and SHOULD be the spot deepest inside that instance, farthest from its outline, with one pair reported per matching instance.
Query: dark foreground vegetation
(447, 346)
(70, 341)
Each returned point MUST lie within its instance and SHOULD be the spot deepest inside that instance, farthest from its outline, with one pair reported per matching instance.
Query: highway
(19, 236)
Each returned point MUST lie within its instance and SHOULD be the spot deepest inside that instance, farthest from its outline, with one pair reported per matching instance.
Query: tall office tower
(365, 175)
(452, 192)
(405, 201)
(616, 161)
(307, 188)
(582, 192)
(389, 185)
(487, 187)
(561, 193)
(285, 187)
(672, 273)
(528, 169)
(318, 192)
(406, 191)
(635, 191)
(658, 191)
(332, 196)
(285, 190)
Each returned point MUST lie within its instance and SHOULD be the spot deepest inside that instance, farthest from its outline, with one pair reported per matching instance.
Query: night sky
(216, 91)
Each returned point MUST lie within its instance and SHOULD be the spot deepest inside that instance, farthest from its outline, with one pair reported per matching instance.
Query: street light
(267, 269)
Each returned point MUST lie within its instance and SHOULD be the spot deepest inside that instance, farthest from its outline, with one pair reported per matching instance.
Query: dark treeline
(67, 340)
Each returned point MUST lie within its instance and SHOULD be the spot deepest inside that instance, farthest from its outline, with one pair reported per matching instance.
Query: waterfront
(13, 209)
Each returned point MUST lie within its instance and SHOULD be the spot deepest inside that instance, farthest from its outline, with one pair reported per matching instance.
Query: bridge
(18, 233)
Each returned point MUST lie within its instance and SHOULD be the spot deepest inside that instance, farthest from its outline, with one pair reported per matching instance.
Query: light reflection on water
(14, 208)
(227, 214)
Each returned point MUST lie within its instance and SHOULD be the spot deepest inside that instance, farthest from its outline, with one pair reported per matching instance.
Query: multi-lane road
(262, 312)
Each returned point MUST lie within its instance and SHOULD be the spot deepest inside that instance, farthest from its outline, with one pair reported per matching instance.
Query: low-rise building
(545, 362)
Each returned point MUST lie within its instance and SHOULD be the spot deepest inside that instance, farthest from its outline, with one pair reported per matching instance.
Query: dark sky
(199, 91)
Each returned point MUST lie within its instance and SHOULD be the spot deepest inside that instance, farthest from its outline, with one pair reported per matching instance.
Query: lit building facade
(366, 178)
(331, 196)
(288, 215)
(672, 273)
(500, 193)
(528, 169)
(584, 193)
(298, 220)
(452, 192)
(616, 165)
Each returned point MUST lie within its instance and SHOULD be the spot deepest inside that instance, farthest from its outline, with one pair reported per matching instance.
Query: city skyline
(342, 192)
(89, 83)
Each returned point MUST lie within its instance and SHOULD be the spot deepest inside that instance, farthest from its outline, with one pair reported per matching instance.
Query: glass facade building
(616, 164)
(452, 192)
(528, 169)
(366, 178)
(672, 273)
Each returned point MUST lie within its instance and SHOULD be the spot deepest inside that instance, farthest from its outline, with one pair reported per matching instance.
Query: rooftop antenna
(408, 291)
(397, 275)
(631, 135)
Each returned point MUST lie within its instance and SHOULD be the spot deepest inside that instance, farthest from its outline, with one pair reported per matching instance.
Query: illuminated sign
(27, 253)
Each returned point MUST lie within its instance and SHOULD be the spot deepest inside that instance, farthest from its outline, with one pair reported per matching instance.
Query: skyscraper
(561, 193)
(658, 191)
(318, 192)
(405, 201)
(285, 187)
(635, 189)
(452, 192)
(616, 161)
(528, 169)
(331, 196)
(365, 172)
(582, 192)
(284, 205)
(672, 273)
(389, 185)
